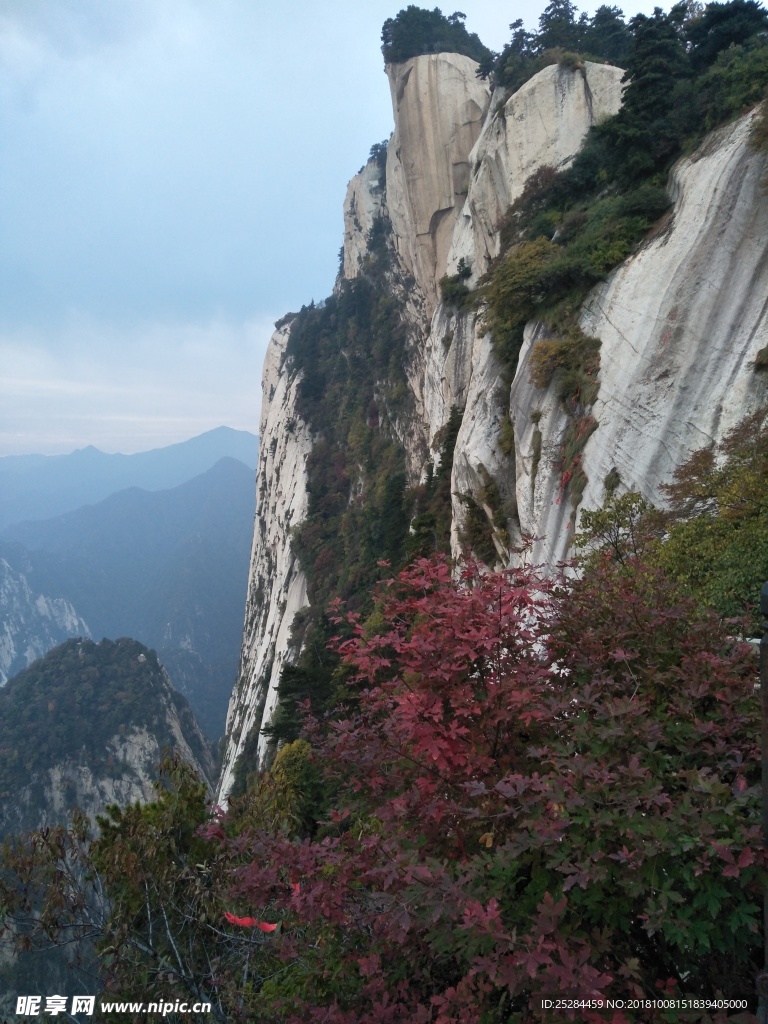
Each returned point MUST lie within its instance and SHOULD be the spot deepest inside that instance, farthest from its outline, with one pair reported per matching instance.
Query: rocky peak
(86, 726)
(543, 124)
(439, 105)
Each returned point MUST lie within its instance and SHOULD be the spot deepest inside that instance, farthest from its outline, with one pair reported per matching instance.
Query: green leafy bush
(717, 542)
(574, 357)
(736, 81)
(455, 293)
(515, 288)
(712, 538)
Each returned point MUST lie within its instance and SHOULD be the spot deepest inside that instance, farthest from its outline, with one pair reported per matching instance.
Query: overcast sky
(171, 182)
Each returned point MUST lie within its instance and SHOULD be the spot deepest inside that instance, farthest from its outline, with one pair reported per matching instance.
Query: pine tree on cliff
(645, 134)
(605, 35)
(415, 31)
(721, 26)
(558, 26)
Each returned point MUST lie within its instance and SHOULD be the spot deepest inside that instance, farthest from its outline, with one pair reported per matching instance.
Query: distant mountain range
(168, 568)
(39, 487)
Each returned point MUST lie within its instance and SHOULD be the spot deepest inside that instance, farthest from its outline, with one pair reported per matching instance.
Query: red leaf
(746, 857)
(249, 922)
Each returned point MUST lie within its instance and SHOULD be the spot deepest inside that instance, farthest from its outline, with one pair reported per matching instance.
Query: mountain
(168, 567)
(43, 486)
(499, 355)
(86, 726)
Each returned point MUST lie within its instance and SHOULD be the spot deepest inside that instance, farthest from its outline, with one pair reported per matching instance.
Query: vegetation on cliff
(351, 350)
(69, 706)
(415, 31)
(700, 33)
(686, 72)
(569, 229)
(538, 785)
(712, 536)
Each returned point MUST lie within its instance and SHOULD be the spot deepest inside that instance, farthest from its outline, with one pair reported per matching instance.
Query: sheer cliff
(32, 623)
(679, 325)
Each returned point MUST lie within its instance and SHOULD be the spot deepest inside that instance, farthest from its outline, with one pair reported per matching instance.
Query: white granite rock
(543, 124)
(276, 588)
(31, 624)
(680, 324)
(439, 104)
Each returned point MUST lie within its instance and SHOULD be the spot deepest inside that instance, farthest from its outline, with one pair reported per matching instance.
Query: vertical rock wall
(543, 124)
(277, 588)
(680, 324)
(435, 176)
(439, 105)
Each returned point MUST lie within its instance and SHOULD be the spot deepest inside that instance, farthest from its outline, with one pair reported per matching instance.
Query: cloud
(178, 159)
(129, 389)
(174, 170)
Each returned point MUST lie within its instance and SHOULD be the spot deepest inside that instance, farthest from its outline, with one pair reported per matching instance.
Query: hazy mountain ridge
(168, 568)
(39, 487)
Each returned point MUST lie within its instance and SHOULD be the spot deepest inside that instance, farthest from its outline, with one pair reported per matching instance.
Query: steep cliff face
(363, 206)
(50, 794)
(32, 623)
(680, 324)
(543, 124)
(439, 105)
(277, 588)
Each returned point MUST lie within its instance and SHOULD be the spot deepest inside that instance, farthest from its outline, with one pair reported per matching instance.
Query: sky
(172, 174)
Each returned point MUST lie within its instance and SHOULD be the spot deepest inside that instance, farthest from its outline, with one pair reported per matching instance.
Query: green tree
(516, 62)
(712, 538)
(144, 903)
(723, 25)
(606, 35)
(717, 544)
(646, 133)
(430, 531)
(558, 26)
(624, 528)
(157, 874)
(415, 31)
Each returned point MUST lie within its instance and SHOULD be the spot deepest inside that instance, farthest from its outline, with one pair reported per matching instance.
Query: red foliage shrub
(546, 788)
